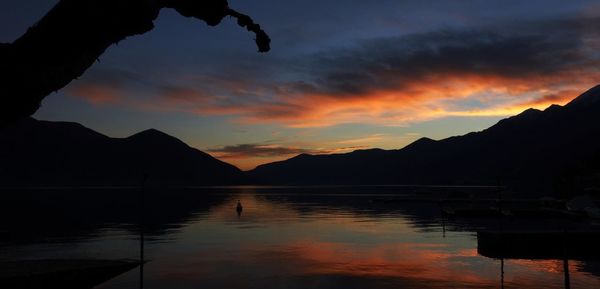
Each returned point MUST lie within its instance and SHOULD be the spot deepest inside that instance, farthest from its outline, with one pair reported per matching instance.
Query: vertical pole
(500, 201)
(143, 188)
(566, 261)
(501, 216)
(502, 273)
(441, 206)
(566, 269)
(443, 226)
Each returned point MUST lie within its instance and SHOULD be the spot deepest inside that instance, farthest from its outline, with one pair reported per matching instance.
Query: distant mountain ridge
(44, 153)
(535, 149)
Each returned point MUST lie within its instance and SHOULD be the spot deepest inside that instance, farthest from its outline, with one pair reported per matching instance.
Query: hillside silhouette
(555, 150)
(550, 150)
(44, 153)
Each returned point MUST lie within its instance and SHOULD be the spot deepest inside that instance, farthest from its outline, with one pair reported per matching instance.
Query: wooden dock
(65, 274)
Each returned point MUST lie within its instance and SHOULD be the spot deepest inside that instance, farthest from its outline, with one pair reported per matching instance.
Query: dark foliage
(73, 35)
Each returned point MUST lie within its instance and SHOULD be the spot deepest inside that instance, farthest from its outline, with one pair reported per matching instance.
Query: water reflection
(289, 239)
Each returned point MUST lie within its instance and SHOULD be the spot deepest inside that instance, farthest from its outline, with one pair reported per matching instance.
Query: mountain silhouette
(44, 153)
(537, 149)
(557, 149)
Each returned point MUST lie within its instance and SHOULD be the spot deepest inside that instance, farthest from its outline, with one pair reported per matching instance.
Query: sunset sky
(342, 75)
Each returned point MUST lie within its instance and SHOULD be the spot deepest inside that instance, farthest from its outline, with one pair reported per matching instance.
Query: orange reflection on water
(550, 266)
(401, 260)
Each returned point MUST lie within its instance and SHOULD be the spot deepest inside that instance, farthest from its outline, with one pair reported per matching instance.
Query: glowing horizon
(381, 80)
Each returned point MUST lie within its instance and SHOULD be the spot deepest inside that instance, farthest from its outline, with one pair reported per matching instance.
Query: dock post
(142, 191)
(566, 262)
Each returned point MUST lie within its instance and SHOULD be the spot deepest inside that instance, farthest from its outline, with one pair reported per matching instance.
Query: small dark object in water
(239, 208)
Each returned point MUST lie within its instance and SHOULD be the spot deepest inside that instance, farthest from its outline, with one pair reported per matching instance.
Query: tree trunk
(73, 35)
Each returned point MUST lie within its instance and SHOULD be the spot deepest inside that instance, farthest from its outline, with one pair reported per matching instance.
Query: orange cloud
(97, 94)
(390, 81)
(437, 96)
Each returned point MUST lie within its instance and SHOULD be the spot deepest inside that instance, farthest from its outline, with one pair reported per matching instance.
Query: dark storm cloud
(383, 78)
(515, 51)
(512, 51)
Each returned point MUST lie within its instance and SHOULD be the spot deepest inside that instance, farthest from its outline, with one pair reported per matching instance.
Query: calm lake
(283, 238)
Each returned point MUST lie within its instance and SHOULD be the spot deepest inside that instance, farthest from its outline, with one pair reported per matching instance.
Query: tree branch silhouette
(70, 38)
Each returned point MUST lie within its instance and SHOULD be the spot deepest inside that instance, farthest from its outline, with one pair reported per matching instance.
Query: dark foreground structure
(575, 245)
(66, 274)
(73, 35)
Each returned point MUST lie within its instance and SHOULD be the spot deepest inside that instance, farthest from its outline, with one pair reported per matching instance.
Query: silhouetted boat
(239, 208)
